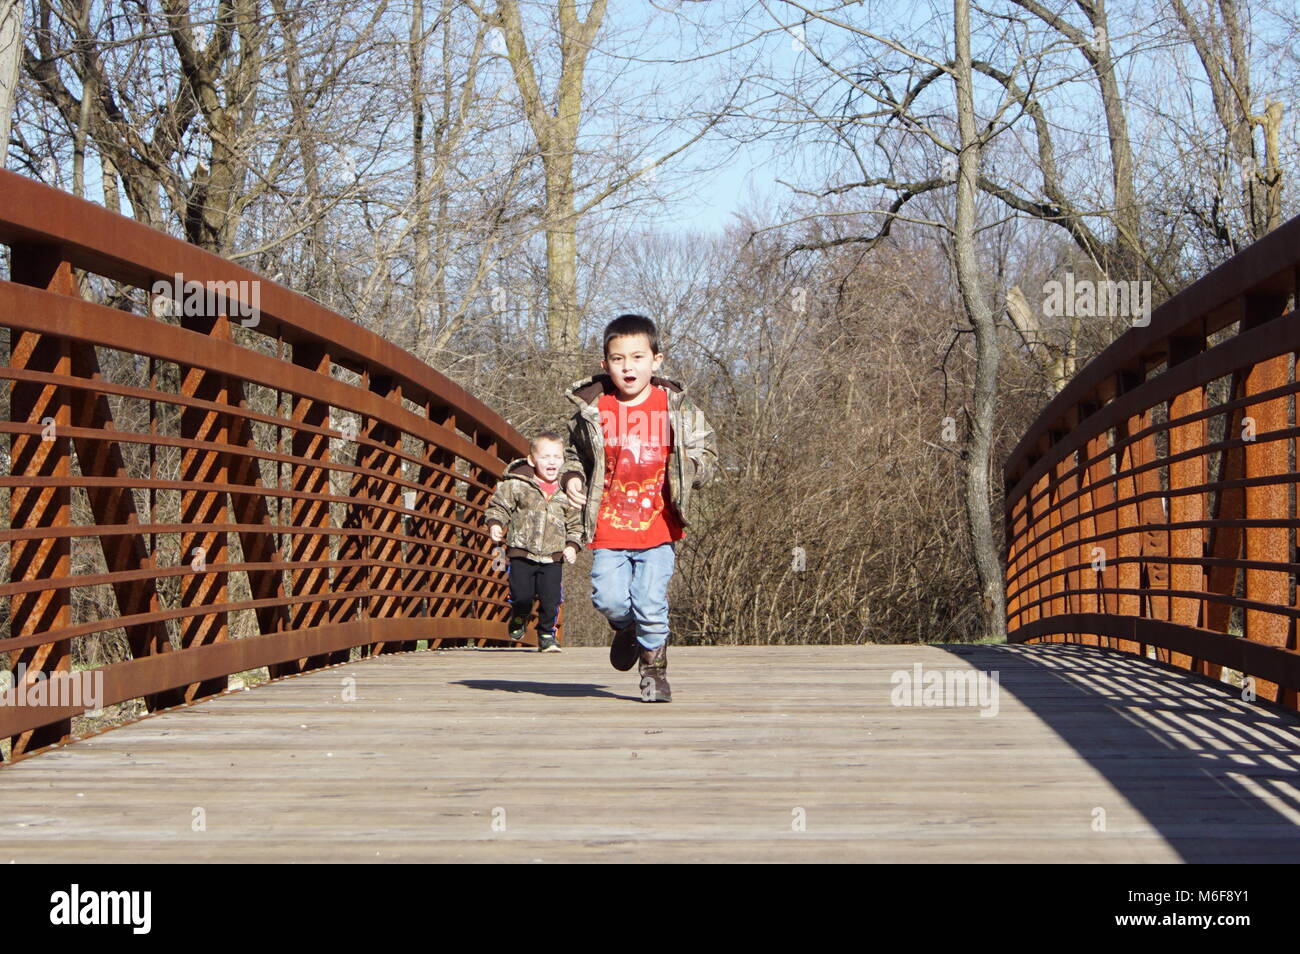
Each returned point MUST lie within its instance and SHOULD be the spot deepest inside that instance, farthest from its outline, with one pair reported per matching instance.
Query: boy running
(542, 530)
(641, 446)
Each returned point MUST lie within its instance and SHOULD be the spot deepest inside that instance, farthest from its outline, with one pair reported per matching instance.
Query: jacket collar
(520, 469)
(586, 393)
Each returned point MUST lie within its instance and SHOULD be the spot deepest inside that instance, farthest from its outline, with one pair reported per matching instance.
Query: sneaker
(654, 675)
(518, 627)
(546, 643)
(624, 650)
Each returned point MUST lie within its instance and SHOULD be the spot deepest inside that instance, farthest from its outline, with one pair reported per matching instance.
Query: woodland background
(488, 183)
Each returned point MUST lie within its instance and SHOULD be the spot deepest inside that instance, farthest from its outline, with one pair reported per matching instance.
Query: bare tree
(979, 450)
(1094, 43)
(887, 133)
(1219, 35)
(556, 131)
(11, 28)
(202, 143)
(572, 188)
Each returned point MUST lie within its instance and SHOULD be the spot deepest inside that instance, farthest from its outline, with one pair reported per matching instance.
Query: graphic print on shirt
(636, 444)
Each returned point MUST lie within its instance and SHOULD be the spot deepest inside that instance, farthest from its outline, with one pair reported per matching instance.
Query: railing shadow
(1171, 743)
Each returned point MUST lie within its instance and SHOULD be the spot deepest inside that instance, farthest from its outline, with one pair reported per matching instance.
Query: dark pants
(529, 580)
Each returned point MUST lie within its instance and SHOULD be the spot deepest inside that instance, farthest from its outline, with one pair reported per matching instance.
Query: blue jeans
(633, 584)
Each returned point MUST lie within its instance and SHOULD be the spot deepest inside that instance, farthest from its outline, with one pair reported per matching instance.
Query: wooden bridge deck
(518, 756)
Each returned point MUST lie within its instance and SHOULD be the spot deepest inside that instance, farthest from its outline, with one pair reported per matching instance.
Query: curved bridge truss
(218, 478)
(1151, 508)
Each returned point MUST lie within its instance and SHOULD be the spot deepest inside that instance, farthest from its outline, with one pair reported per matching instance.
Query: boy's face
(546, 459)
(630, 362)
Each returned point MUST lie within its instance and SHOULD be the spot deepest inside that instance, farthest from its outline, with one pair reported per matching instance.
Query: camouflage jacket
(535, 527)
(692, 461)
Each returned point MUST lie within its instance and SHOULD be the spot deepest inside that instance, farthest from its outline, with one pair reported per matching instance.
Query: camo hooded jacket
(692, 460)
(536, 528)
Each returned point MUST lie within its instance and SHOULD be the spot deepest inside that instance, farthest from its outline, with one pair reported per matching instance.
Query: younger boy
(542, 530)
(641, 446)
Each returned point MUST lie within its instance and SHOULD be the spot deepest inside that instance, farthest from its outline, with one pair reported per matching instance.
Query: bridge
(195, 493)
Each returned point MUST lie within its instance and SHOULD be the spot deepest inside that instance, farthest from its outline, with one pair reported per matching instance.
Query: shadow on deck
(767, 754)
(1215, 776)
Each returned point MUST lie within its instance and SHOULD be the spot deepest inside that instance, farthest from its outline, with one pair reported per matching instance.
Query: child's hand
(570, 554)
(573, 490)
(496, 533)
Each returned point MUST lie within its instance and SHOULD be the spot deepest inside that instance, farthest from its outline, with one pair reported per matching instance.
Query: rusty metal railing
(1151, 508)
(218, 481)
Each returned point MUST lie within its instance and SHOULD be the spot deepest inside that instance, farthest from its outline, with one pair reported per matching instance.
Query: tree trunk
(557, 138)
(420, 211)
(108, 175)
(1128, 212)
(988, 563)
(11, 31)
(83, 115)
(562, 272)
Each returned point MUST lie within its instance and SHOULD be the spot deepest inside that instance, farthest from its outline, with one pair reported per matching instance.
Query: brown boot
(654, 675)
(624, 649)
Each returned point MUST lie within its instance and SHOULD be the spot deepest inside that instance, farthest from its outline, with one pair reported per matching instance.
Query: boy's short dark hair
(544, 436)
(632, 325)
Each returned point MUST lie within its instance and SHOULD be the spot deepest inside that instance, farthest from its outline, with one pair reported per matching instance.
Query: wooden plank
(506, 755)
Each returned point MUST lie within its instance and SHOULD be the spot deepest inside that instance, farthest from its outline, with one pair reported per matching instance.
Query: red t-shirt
(638, 439)
(549, 487)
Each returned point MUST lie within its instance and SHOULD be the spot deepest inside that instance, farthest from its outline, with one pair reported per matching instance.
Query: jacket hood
(520, 469)
(587, 392)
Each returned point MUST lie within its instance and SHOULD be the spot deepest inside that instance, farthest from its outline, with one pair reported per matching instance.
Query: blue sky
(652, 48)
